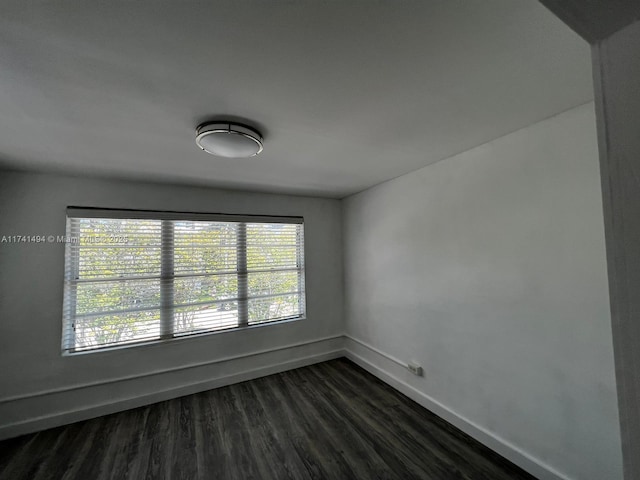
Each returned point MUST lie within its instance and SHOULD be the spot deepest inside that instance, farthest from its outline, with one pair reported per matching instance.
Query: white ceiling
(347, 93)
(595, 20)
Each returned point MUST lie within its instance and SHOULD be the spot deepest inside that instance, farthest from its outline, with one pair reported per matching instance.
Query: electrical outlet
(415, 368)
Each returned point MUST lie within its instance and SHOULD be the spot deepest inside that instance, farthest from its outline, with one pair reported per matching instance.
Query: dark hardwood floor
(328, 421)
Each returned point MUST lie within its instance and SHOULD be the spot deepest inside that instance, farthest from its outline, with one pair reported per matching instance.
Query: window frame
(168, 332)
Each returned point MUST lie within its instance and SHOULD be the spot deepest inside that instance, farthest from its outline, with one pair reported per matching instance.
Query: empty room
(320, 239)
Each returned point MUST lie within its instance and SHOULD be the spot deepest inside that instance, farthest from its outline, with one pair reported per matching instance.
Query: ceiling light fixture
(231, 140)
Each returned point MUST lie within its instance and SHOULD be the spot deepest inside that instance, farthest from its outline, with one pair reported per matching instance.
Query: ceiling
(595, 20)
(347, 93)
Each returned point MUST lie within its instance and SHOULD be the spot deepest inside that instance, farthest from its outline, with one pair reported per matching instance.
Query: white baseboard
(509, 451)
(58, 418)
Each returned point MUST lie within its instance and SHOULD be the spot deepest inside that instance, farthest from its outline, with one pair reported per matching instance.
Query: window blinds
(138, 276)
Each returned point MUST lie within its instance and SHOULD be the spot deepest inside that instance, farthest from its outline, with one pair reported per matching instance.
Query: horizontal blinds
(205, 286)
(274, 271)
(112, 282)
(140, 279)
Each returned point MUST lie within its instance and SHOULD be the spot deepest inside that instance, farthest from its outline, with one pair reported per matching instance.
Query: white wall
(617, 70)
(41, 388)
(489, 269)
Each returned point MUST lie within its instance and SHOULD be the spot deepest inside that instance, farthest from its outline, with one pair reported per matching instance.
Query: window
(139, 276)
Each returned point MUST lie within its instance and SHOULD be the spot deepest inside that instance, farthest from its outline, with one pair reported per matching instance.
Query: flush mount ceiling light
(230, 140)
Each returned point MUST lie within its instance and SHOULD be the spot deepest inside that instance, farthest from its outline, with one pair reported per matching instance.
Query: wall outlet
(415, 368)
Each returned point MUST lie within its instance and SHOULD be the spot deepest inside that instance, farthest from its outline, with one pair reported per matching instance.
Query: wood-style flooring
(328, 421)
